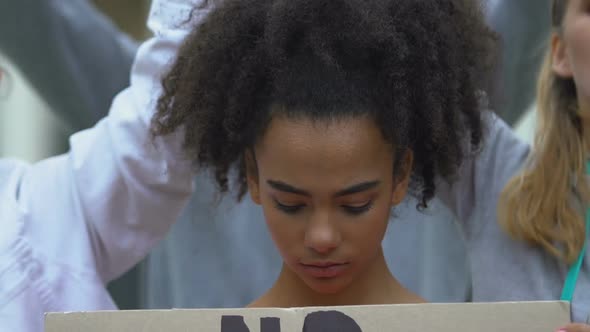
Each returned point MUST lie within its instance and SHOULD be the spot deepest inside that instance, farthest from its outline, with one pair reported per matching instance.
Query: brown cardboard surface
(481, 317)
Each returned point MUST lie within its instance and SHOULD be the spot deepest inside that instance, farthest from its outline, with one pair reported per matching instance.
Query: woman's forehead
(340, 148)
(322, 136)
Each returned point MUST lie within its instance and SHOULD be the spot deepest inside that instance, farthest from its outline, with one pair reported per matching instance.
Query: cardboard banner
(480, 317)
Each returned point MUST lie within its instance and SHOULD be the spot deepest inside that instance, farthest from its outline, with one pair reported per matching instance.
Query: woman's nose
(322, 234)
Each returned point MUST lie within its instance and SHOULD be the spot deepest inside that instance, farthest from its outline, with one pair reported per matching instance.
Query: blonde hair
(544, 205)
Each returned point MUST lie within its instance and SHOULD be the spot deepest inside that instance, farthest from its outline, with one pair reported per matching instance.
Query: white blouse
(72, 223)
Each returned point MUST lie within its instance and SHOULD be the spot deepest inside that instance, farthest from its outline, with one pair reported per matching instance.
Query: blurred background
(62, 62)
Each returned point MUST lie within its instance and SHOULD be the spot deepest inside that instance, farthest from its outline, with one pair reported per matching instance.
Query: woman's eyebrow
(282, 186)
(357, 188)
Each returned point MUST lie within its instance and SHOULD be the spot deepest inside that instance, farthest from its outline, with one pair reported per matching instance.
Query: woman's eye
(288, 208)
(356, 209)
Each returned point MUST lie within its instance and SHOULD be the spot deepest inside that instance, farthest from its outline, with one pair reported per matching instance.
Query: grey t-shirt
(71, 53)
(503, 269)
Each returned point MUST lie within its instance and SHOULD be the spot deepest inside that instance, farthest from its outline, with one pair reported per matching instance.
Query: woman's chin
(327, 286)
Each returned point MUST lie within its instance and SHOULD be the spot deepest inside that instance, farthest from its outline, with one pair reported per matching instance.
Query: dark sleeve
(524, 28)
(73, 56)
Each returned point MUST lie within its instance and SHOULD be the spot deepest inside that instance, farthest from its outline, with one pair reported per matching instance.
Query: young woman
(327, 112)
(546, 205)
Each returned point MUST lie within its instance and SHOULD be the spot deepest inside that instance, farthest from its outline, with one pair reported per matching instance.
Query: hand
(575, 328)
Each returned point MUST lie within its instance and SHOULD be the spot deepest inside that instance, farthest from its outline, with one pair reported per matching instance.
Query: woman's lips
(324, 269)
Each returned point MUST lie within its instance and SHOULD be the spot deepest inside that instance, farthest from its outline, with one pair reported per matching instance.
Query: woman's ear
(402, 177)
(560, 62)
(252, 176)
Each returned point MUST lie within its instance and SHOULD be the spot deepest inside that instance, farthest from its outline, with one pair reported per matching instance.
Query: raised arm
(105, 204)
(482, 178)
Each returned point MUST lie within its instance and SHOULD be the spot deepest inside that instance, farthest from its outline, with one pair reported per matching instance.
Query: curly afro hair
(416, 66)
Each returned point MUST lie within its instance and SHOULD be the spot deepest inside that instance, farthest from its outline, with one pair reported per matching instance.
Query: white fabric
(72, 223)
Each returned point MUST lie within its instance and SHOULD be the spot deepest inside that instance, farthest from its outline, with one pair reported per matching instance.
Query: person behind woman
(546, 204)
(327, 112)
(72, 223)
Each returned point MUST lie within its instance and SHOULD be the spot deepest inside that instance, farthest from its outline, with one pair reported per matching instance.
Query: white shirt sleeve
(71, 223)
(106, 203)
(74, 222)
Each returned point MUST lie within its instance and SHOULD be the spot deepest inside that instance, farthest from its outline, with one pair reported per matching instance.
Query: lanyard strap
(572, 275)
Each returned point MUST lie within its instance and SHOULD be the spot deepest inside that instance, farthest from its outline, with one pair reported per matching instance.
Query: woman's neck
(376, 285)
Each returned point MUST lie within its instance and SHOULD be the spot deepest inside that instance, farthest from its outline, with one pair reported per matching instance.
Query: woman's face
(571, 49)
(326, 189)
